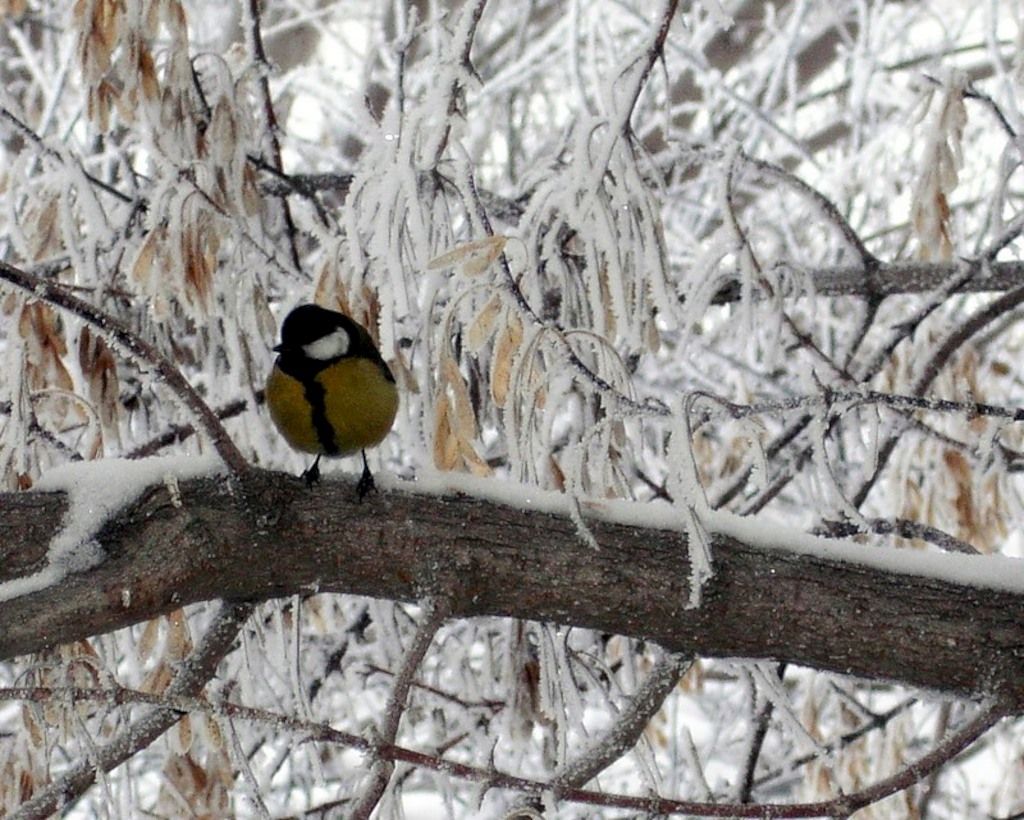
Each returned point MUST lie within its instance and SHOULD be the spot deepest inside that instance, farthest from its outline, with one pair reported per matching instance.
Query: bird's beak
(277, 348)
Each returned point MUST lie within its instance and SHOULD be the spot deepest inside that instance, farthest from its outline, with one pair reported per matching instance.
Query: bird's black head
(313, 332)
(313, 338)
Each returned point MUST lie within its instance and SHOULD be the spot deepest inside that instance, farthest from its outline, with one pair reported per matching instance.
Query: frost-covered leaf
(473, 258)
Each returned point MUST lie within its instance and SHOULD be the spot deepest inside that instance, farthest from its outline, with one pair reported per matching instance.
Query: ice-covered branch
(939, 358)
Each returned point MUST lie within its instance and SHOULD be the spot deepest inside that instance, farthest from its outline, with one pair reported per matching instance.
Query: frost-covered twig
(852, 399)
(753, 272)
(873, 723)
(972, 93)
(123, 338)
(254, 37)
(762, 722)
(281, 185)
(902, 527)
(490, 705)
(896, 278)
(466, 32)
(177, 433)
(22, 130)
(918, 770)
(435, 610)
(930, 371)
(189, 680)
(651, 56)
(629, 724)
(928, 790)
(959, 276)
(825, 205)
(174, 704)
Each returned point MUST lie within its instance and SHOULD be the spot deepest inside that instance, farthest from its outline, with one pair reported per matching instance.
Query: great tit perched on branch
(330, 392)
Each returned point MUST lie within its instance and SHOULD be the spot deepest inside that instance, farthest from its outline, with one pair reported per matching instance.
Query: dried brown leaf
(198, 272)
(157, 681)
(13, 8)
(179, 636)
(44, 347)
(148, 640)
(147, 74)
(33, 728)
(446, 446)
(41, 229)
(99, 368)
(142, 267)
(509, 339)
(465, 420)
(251, 200)
(482, 326)
(180, 737)
(471, 459)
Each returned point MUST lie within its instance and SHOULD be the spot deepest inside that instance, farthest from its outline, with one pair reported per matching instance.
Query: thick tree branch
(763, 601)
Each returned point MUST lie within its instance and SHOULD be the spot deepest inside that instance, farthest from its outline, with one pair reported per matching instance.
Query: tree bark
(273, 537)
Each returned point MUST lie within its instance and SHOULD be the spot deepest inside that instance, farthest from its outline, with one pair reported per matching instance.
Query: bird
(330, 393)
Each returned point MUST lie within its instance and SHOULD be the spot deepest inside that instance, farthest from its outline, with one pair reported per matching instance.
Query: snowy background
(712, 255)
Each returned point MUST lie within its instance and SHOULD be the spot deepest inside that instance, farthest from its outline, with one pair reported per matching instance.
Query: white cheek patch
(331, 346)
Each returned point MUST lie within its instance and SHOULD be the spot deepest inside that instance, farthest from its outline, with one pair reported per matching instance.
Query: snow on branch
(775, 593)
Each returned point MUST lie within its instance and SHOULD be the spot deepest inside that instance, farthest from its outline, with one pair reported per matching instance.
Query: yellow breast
(360, 404)
(360, 401)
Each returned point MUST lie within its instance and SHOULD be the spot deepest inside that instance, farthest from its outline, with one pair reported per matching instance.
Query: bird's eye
(330, 346)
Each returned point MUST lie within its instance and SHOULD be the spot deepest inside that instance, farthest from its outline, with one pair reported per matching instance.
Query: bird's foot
(366, 483)
(312, 475)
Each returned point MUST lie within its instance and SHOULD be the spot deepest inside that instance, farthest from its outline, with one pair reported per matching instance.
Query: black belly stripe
(305, 371)
(324, 430)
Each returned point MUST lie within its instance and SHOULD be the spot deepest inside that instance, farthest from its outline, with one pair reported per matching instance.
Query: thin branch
(851, 399)
(27, 133)
(903, 527)
(959, 276)
(869, 262)
(873, 723)
(490, 705)
(739, 235)
(177, 704)
(435, 611)
(952, 343)
(466, 32)
(893, 279)
(651, 56)
(921, 768)
(189, 680)
(259, 55)
(631, 722)
(178, 433)
(762, 723)
(123, 338)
